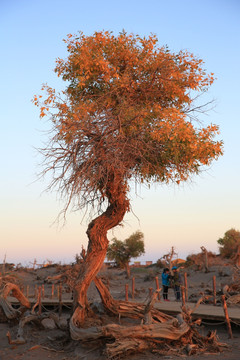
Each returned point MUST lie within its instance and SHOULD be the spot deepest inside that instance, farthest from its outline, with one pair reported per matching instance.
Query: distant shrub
(161, 263)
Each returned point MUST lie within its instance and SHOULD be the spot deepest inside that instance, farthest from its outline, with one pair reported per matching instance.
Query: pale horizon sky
(194, 214)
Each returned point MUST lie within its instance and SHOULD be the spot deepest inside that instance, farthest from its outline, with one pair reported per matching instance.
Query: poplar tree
(127, 114)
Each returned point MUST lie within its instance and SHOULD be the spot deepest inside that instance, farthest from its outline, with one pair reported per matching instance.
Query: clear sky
(187, 217)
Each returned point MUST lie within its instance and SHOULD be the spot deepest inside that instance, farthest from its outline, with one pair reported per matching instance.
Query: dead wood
(171, 330)
(118, 348)
(131, 310)
(139, 338)
(38, 303)
(187, 311)
(149, 307)
(168, 258)
(225, 290)
(132, 338)
(203, 298)
(16, 341)
(8, 312)
(20, 338)
(27, 319)
(56, 278)
(233, 300)
(8, 278)
(17, 293)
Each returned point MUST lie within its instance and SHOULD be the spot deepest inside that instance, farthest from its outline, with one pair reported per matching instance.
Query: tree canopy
(123, 251)
(229, 243)
(127, 113)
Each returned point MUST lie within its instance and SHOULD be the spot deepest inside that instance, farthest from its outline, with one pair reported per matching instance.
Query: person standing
(176, 282)
(165, 283)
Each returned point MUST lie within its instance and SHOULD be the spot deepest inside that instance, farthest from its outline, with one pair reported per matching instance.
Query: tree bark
(127, 267)
(98, 244)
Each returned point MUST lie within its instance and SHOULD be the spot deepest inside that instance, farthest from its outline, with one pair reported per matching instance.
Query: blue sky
(194, 214)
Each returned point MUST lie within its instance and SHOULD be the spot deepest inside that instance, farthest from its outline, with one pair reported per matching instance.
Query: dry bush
(161, 263)
(198, 261)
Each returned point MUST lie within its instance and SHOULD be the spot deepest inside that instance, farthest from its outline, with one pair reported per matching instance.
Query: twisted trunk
(98, 244)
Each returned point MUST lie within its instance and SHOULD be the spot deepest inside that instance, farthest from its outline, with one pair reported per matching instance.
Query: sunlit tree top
(126, 113)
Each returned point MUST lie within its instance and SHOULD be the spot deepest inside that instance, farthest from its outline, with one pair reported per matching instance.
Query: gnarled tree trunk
(98, 244)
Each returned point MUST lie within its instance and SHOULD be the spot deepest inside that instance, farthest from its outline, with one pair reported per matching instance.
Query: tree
(168, 258)
(229, 243)
(122, 251)
(127, 114)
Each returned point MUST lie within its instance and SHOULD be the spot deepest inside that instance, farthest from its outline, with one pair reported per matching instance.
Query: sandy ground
(56, 344)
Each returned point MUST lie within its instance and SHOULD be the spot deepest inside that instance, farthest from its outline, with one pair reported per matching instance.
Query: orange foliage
(127, 109)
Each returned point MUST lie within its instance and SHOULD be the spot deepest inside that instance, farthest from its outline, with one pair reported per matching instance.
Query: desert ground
(51, 342)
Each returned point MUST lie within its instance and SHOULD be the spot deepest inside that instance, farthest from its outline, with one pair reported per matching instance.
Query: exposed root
(17, 293)
(161, 333)
(8, 312)
(131, 310)
(158, 332)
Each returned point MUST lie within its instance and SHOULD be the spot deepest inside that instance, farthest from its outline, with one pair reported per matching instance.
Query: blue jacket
(165, 279)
